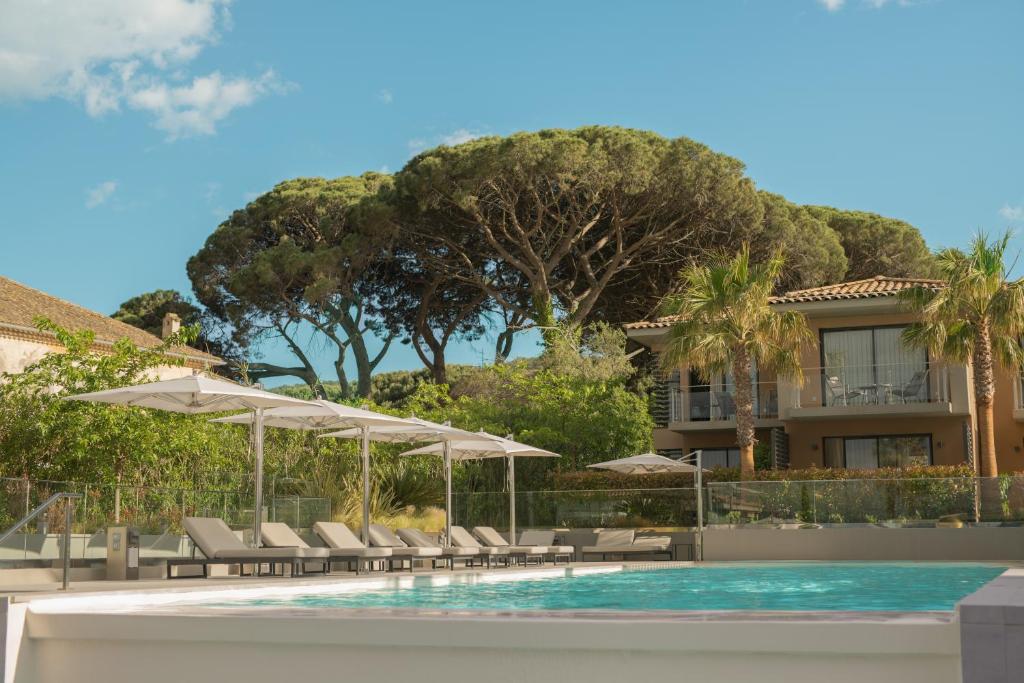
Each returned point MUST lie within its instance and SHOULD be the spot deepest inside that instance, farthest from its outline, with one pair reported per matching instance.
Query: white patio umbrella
(420, 430)
(652, 463)
(489, 446)
(201, 394)
(329, 415)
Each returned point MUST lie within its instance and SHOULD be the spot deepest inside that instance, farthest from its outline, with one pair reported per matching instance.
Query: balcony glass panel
(871, 366)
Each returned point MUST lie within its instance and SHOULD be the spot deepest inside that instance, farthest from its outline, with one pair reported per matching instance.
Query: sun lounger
(280, 535)
(624, 542)
(463, 539)
(382, 537)
(346, 546)
(488, 536)
(219, 545)
(417, 539)
(547, 539)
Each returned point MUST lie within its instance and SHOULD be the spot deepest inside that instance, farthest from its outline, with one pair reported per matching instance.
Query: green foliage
(543, 221)
(597, 353)
(585, 421)
(605, 480)
(43, 436)
(877, 245)
(812, 249)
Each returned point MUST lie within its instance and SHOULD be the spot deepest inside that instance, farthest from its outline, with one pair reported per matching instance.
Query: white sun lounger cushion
(384, 537)
(216, 540)
(280, 535)
(337, 535)
(417, 539)
(463, 539)
(616, 537)
(489, 536)
(546, 539)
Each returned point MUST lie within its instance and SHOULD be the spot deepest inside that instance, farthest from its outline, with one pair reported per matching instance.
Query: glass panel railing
(880, 384)
(578, 509)
(883, 502)
(155, 512)
(717, 403)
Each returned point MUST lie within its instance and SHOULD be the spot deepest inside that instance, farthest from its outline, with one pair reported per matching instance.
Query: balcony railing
(891, 384)
(717, 402)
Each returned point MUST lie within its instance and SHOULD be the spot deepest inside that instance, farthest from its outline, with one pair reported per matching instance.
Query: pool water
(857, 587)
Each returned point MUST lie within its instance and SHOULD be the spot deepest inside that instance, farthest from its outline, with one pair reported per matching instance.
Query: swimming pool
(857, 587)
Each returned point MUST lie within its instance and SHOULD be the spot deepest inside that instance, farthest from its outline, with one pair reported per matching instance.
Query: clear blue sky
(129, 131)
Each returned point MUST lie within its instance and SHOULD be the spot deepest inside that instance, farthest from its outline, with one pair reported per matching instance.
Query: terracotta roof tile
(878, 286)
(20, 305)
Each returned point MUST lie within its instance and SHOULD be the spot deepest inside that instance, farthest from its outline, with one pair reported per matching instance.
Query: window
(872, 452)
(720, 457)
(870, 365)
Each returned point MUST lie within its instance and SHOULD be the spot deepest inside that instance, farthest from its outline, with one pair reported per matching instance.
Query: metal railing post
(68, 515)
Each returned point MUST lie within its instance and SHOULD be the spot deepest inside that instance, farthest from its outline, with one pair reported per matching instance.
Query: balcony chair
(839, 393)
(912, 389)
(726, 406)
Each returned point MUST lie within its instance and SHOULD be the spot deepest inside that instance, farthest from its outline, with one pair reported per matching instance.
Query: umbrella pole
(447, 494)
(365, 451)
(512, 499)
(258, 447)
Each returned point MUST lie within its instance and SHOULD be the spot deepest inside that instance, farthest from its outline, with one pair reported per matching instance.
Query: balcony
(709, 407)
(879, 390)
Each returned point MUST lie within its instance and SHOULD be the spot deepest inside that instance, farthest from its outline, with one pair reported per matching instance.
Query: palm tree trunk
(984, 392)
(744, 400)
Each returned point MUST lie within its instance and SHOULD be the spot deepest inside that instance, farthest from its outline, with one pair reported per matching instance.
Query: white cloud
(1012, 213)
(111, 54)
(100, 194)
(836, 5)
(457, 137)
(385, 96)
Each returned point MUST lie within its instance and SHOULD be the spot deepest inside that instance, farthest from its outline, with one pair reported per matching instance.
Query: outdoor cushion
(364, 553)
(463, 538)
(384, 537)
(268, 553)
(546, 539)
(528, 549)
(487, 550)
(415, 538)
(620, 549)
(211, 534)
(406, 551)
(280, 535)
(537, 537)
(489, 536)
(660, 541)
(619, 537)
(337, 535)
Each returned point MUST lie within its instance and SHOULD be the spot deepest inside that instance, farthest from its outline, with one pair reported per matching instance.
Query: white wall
(333, 645)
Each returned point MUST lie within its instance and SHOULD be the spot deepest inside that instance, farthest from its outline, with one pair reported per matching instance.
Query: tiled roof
(20, 305)
(878, 286)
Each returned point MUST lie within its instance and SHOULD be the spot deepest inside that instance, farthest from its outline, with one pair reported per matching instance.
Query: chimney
(172, 325)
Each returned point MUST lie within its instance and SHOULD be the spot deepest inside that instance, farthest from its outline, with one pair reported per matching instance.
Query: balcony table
(876, 392)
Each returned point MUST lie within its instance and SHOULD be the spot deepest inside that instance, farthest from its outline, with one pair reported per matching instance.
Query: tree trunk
(984, 393)
(744, 400)
(259, 371)
(544, 317)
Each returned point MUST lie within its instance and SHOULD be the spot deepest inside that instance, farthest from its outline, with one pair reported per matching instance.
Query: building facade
(866, 400)
(21, 344)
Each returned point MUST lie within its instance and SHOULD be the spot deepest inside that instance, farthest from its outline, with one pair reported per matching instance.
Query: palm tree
(977, 317)
(725, 322)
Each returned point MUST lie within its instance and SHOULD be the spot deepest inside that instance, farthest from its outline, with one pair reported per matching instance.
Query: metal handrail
(68, 512)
